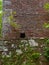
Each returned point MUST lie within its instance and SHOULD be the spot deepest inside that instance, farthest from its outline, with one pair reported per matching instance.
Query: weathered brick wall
(31, 15)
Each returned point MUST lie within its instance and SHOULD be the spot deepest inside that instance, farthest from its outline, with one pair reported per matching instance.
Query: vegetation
(46, 49)
(46, 53)
(35, 56)
(46, 6)
(13, 24)
(46, 25)
(0, 17)
(23, 53)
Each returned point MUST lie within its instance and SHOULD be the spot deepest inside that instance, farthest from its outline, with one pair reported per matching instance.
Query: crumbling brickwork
(31, 15)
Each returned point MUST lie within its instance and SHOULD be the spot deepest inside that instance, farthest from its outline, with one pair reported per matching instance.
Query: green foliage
(0, 7)
(12, 23)
(46, 25)
(46, 53)
(14, 12)
(25, 58)
(46, 49)
(35, 56)
(46, 6)
(47, 41)
(0, 17)
(0, 4)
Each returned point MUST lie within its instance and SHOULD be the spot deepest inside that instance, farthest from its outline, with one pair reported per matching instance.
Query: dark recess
(22, 35)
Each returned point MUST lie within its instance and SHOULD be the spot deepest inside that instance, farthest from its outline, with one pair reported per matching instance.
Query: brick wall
(31, 15)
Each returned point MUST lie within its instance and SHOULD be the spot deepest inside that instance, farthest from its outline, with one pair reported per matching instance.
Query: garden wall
(30, 15)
